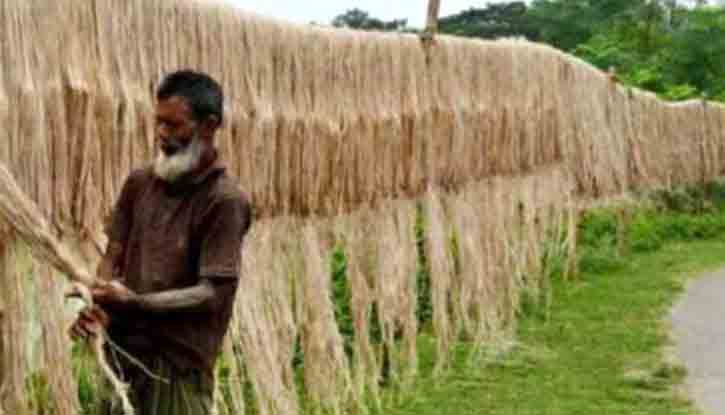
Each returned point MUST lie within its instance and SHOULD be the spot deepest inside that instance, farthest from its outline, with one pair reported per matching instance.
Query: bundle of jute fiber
(13, 387)
(526, 226)
(36, 341)
(56, 348)
(25, 219)
(264, 325)
(27, 223)
(395, 288)
(305, 132)
(500, 253)
(441, 258)
(361, 254)
(326, 376)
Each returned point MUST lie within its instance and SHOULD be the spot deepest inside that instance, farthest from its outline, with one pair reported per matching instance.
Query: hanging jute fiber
(441, 183)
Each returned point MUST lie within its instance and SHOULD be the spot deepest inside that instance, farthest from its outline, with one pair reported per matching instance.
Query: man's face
(178, 138)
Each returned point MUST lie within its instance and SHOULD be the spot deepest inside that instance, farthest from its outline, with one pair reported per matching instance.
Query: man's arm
(227, 223)
(203, 297)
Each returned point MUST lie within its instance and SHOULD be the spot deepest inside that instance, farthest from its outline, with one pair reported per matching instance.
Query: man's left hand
(113, 294)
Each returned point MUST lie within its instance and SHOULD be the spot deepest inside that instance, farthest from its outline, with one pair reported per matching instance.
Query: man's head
(189, 110)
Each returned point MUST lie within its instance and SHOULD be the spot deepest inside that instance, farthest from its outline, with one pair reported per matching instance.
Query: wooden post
(431, 27)
(431, 24)
(434, 8)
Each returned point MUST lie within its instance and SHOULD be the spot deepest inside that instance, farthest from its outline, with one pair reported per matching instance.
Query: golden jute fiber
(339, 137)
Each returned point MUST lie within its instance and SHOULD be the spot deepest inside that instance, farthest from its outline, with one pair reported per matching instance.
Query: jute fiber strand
(395, 287)
(264, 330)
(338, 136)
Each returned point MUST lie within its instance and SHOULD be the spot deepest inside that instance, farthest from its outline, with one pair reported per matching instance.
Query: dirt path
(699, 324)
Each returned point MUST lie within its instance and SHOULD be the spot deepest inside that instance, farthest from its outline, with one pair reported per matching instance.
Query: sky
(323, 11)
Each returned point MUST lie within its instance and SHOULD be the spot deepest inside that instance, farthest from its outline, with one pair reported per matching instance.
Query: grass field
(601, 347)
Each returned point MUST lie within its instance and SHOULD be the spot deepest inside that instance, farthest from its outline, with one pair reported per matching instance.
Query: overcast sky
(322, 11)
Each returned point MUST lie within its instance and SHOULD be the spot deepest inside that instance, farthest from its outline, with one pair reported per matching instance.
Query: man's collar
(214, 167)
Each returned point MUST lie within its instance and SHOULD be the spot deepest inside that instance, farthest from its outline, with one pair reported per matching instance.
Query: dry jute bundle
(337, 136)
(25, 219)
(305, 132)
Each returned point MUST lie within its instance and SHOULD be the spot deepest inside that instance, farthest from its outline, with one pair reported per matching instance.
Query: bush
(601, 257)
(598, 225)
(681, 214)
(644, 233)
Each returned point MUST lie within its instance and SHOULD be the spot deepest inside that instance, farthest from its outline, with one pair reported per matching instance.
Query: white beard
(171, 168)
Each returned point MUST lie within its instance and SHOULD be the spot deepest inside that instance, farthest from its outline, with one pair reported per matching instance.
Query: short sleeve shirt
(170, 237)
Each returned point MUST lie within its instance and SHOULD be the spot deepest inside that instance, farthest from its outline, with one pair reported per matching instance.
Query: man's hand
(90, 322)
(113, 295)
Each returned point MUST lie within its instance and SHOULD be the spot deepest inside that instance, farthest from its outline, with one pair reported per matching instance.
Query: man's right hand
(90, 322)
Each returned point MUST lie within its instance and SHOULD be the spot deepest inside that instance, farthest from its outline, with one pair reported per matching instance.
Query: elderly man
(174, 255)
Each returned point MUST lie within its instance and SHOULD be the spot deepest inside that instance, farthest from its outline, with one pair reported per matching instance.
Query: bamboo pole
(434, 7)
(431, 28)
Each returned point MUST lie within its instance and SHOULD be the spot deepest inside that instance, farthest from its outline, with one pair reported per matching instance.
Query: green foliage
(229, 387)
(676, 52)
(341, 297)
(359, 19)
(40, 399)
(598, 242)
(603, 257)
(644, 233)
(422, 273)
(698, 51)
(494, 21)
(608, 238)
(91, 391)
(566, 24)
(679, 92)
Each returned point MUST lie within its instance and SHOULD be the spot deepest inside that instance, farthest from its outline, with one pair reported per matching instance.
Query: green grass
(601, 349)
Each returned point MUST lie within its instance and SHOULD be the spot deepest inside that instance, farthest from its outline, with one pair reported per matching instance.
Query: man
(174, 253)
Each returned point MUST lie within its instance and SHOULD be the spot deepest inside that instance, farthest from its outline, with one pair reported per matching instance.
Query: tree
(569, 23)
(698, 51)
(673, 49)
(359, 19)
(494, 21)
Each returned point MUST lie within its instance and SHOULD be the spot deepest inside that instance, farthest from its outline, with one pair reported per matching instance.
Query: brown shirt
(165, 237)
